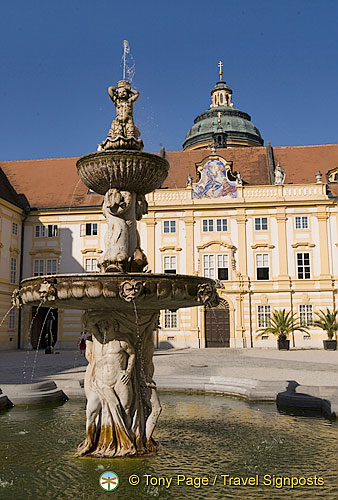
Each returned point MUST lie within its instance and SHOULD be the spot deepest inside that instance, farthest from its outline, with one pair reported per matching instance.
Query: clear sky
(59, 57)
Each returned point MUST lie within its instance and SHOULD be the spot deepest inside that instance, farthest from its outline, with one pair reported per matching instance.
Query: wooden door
(217, 326)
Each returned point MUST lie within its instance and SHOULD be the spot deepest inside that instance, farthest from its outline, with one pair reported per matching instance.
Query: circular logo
(109, 481)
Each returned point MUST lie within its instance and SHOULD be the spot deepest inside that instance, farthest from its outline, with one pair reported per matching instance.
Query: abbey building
(262, 220)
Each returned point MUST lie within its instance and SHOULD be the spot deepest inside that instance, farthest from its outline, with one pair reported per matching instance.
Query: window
(51, 266)
(208, 225)
(209, 266)
(169, 264)
(305, 315)
(91, 265)
(223, 267)
(89, 229)
(50, 231)
(261, 223)
(302, 222)
(170, 319)
(169, 226)
(13, 270)
(39, 267)
(44, 266)
(221, 225)
(303, 266)
(262, 266)
(264, 316)
(11, 320)
(14, 228)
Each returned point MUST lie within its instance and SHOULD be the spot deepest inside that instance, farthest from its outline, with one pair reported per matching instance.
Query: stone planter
(330, 345)
(283, 344)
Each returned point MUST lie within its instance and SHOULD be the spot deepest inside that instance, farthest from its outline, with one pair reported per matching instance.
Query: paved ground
(307, 367)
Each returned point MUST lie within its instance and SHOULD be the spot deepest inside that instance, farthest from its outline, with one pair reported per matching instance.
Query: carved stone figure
(122, 242)
(123, 133)
(47, 290)
(122, 404)
(206, 294)
(279, 175)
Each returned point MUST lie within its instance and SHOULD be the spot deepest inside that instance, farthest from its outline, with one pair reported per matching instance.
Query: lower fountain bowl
(132, 171)
(117, 291)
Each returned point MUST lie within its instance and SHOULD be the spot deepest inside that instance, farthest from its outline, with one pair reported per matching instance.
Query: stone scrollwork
(130, 290)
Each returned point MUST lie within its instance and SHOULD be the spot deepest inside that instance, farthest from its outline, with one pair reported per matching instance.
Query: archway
(49, 324)
(217, 325)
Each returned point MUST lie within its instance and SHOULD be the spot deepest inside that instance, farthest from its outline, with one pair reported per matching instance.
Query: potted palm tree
(328, 321)
(282, 323)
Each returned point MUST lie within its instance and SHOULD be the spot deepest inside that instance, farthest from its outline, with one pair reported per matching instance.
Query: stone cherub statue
(123, 133)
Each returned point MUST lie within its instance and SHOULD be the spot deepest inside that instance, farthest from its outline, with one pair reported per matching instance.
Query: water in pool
(208, 444)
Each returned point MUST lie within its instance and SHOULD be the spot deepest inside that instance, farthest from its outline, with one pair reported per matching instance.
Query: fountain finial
(123, 133)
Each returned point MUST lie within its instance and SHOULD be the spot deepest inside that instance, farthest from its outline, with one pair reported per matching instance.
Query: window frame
(15, 228)
(303, 268)
(305, 317)
(223, 223)
(94, 229)
(170, 319)
(12, 319)
(169, 226)
(169, 264)
(13, 270)
(260, 267)
(93, 261)
(258, 223)
(301, 219)
(263, 316)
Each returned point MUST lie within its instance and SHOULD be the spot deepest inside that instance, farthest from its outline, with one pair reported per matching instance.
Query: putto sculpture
(122, 302)
(122, 134)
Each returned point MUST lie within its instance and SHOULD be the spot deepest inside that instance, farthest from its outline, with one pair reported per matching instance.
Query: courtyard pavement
(307, 367)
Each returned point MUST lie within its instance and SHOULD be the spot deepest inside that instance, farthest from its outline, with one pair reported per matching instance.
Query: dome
(222, 124)
(235, 125)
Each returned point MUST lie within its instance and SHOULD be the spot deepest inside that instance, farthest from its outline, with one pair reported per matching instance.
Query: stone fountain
(122, 302)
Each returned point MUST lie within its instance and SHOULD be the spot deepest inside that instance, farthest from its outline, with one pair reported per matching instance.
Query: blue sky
(58, 58)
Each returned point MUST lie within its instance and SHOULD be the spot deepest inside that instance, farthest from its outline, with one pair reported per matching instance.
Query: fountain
(121, 302)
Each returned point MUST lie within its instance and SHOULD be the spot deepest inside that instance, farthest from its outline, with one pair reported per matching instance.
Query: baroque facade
(261, 220)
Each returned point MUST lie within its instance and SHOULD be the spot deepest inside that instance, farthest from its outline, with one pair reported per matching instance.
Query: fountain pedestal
(122, 302)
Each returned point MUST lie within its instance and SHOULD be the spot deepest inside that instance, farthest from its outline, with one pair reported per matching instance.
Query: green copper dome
(222, 124)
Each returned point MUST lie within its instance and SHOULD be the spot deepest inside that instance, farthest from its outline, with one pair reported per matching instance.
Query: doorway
(217, 325)
(45, 323)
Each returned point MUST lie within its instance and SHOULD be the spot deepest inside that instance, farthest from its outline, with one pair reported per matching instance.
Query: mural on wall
(216, 181)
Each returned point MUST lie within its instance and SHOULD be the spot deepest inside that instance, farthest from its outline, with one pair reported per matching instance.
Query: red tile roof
(53, 182)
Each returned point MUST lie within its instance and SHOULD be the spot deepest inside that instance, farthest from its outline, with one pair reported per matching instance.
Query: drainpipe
(26, 211)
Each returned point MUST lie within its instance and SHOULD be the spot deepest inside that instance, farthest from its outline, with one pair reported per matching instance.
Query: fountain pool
(200, 436)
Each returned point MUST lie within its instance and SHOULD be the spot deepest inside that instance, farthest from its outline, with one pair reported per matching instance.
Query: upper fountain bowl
(125, 170)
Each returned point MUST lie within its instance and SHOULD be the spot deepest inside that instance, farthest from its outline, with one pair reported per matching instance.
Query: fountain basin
(117, 291)
(125, 170)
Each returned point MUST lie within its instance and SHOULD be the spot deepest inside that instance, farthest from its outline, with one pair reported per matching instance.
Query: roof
(235, 123)
(54, 183)
(8, 193)
(252, 163)
(50, 183)
(302, 162)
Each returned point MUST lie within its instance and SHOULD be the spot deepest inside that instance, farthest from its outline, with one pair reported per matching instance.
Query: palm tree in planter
(282, 323)
(328, 321)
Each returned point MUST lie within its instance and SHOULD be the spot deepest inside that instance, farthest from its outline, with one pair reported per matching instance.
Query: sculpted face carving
(206, 294)
(47, 290)
(130, 290)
